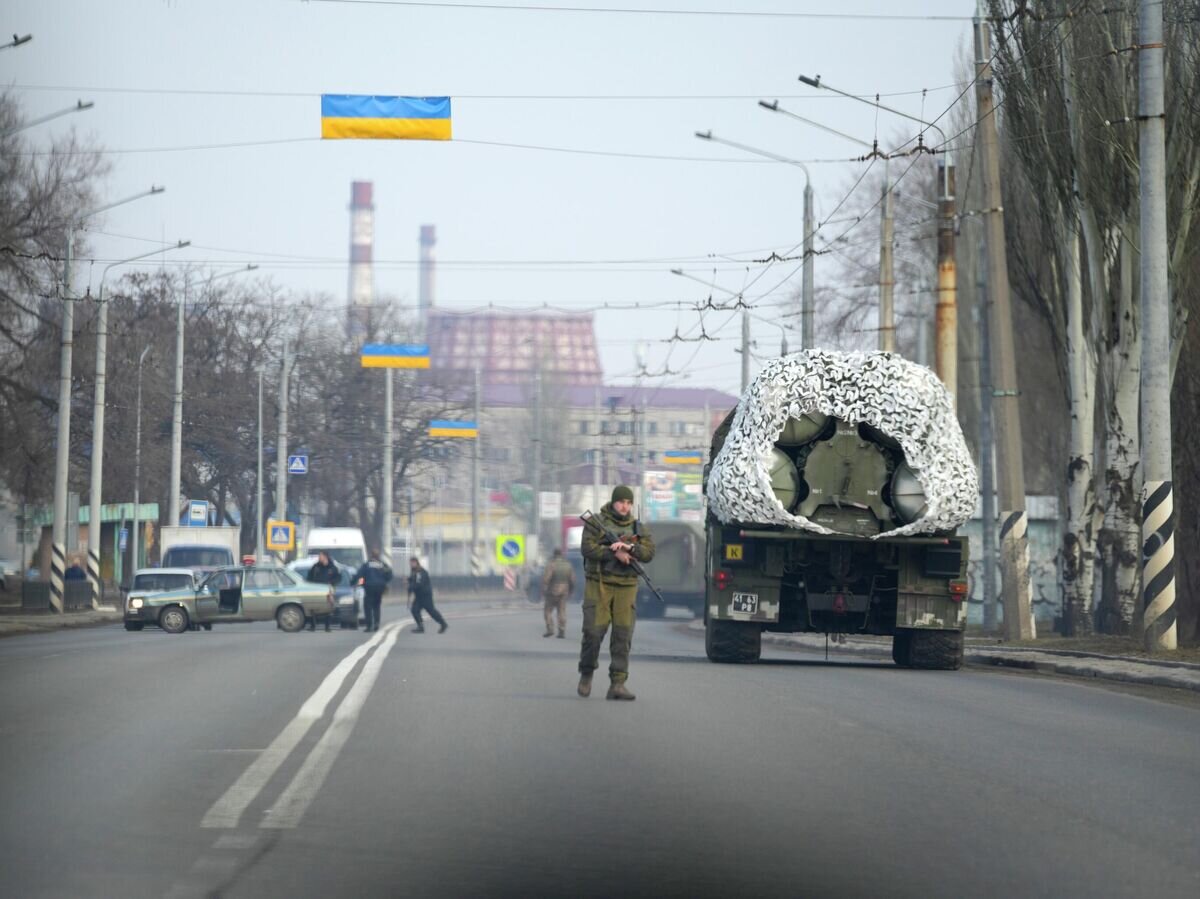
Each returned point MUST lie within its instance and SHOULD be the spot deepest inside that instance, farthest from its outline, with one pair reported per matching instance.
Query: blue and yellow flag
(681, 457)
(387, 118)
(395, 355)
(442, 428)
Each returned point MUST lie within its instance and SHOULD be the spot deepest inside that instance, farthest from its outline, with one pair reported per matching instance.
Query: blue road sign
(197, 513)
(297, 464)
(123, 540)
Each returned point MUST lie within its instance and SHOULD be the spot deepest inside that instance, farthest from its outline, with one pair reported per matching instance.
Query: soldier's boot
(585, 685)
(549, 633)
(561, 633)
(618, 690)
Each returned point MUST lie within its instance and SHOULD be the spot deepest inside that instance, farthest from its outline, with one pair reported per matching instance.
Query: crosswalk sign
(281, 536)
(297, 464)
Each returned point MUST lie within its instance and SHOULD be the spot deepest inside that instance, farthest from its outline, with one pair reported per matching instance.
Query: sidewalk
(13, 623)
(1148, 672)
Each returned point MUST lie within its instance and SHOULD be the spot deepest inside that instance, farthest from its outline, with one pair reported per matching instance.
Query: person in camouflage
(610, 592)
(558, 582)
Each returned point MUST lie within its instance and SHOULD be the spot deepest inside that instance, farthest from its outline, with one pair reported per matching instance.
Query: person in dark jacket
(421, 591)
(323, 571)
(373, 576)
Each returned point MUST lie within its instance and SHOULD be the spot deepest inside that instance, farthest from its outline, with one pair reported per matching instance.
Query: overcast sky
(219, 100)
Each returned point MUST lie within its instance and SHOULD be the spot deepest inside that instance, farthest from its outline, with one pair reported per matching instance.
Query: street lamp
(58, 549)
(137, 464)
(177, 415)
(93, 565)
(16, 42)
(79, 106)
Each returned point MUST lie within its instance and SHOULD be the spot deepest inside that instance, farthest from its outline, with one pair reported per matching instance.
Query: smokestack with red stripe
(362, 271)
(428, 263)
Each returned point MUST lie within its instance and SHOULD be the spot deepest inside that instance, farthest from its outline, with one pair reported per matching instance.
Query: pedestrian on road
(74, 572)
(373, 576)
(421, 590)
(558, 582)
(323, 571)
(610, 592)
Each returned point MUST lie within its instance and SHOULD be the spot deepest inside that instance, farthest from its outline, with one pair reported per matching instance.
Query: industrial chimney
(362, 271)
(428, 262)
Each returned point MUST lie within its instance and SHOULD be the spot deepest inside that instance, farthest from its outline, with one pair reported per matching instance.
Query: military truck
(677, 569)
(851, 484)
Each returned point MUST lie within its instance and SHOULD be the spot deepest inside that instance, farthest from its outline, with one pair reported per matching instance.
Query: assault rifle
(593, 522)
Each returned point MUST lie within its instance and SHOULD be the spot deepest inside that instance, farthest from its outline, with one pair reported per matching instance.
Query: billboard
(673, 495)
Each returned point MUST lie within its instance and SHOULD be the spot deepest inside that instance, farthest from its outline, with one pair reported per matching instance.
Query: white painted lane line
(294, 801)
(227, 811)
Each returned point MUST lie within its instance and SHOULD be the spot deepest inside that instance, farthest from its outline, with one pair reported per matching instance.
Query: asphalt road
(248, 762)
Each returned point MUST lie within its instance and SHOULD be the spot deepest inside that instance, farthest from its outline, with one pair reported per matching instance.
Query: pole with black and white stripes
(1158, 518)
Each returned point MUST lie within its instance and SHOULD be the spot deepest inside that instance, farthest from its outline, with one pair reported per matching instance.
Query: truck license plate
(744, 602)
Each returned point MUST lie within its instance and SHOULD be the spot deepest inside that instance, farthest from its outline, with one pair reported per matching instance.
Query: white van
(345, 545)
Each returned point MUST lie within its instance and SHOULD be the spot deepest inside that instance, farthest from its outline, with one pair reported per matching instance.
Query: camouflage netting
(900, 398)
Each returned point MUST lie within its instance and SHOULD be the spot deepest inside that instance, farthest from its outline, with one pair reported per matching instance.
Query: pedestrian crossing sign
(281, 536)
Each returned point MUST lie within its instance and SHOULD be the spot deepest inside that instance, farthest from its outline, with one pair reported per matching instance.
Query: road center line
(227, 811)
(294, 801)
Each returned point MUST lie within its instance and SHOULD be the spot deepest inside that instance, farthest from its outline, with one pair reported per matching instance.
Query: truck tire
(732, 641)
(935, 650)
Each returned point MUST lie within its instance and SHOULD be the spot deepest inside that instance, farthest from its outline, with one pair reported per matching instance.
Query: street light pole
(175, 485)
(62, 456)
(94, 497)
(258, 502)
(137, 465)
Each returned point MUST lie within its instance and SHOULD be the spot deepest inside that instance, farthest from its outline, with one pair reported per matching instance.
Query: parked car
(345, 597)
(234, 594)
(148, 581)
(9, 571)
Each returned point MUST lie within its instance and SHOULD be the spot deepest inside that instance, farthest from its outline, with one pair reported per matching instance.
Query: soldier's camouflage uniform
(558, 583)
(610, 593)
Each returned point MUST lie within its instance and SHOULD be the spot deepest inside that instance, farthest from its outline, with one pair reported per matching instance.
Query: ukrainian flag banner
(386, 118)
(681, 457)
(439, 428)
(395, 355)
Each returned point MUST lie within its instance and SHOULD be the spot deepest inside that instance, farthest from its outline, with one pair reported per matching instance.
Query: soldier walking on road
(421, 590)
(610, 592)
(558, 582)
(373, 576)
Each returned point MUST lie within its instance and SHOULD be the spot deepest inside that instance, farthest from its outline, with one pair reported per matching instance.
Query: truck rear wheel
(934, 650)
(732, 641)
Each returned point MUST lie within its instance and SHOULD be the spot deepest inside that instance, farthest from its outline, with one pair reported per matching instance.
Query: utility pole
(475, 450)
(177, 415)
(1158, 518)
(137, 467)
(281, 443)
(808, 303)
(258, 500)
(58, 549)
(598, 450)
(987, 477)
(94, 493)
(385, 537)
(745, 349)
(887, 277)
(535, 528)
(1014, 543)
(946, 343)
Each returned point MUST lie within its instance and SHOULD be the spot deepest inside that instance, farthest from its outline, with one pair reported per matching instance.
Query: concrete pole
(258, 486)
(598, 448)
(1018, 623)
(385, 535)
(987, 477)
(137, 467)
(58, 549)
(745, 350)
(475, 472)
(535, 527)
(173, 485)
(281, 443)
(93, 561)
(887, 277)
(1158, 518)
(946, 344)
(808, 303)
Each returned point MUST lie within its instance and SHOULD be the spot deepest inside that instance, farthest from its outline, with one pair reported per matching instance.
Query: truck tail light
(722, 579)
(958, 590)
